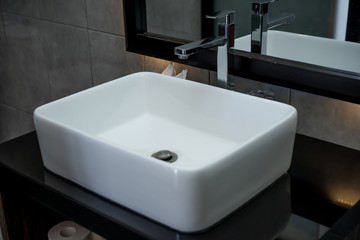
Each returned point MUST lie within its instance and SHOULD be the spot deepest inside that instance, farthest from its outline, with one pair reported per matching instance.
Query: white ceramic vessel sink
(309, 49)
(230, 146)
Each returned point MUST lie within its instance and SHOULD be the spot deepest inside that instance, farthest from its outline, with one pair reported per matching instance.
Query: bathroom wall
(167, 18)
(309, 19)
(52, 48)
(319, 117)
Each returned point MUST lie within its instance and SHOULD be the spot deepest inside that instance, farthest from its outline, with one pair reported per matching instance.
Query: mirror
(315, 18)
(316, 36)
(321, 19)
(155, 27)
(166, 19)
(182, 19)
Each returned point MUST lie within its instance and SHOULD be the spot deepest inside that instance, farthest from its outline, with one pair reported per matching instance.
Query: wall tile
(195, 74)
(110, 59)
(2, 32)
(159, 65)
(167, 18)
(67, 59)
(23, 7)
(105, 16)
(327, 119)
(44, 61)
(155, 64)
(2, 48)
(14, 123)
(281, 94)
(24, 83)
(71, 12)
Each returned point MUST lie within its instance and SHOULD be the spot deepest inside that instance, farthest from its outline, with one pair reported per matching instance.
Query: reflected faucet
(224, 40)
(260, 23)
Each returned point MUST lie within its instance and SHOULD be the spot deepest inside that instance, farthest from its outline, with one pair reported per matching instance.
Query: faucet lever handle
(261, 6)
(226, 29)
(229, 15)
(264, 1)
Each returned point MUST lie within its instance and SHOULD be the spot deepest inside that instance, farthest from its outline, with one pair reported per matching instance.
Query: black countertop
(295, 204)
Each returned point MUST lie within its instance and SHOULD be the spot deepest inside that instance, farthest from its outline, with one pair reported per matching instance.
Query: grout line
(86, 14)
(100, 31)
(48, 80)
(19, 15)
(91, 62)
(89, 45)
(64, 24)
(38, 9)
(3, 26)
(15, 108)
(143, 61)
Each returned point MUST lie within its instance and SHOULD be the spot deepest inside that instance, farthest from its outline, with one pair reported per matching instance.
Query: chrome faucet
(260, 23)
(224, 40)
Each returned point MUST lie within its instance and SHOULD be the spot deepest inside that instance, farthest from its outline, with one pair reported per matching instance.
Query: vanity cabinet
(34, 200)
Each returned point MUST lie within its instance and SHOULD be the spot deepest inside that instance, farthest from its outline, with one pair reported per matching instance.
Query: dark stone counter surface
(297, 204)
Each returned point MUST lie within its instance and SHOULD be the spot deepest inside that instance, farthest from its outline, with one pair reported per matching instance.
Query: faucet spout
(184, 51)
(260, 24)
(223, 41)
(280, 20)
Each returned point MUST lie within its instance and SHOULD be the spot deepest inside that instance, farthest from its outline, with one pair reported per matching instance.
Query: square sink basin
(224, 147)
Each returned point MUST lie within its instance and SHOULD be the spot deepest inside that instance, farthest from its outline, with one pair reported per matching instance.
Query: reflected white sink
(309, 49)
(230, 146)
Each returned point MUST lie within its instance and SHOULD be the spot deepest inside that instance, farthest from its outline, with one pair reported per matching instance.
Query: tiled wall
(52, 48)
(309, 20)
(173, 18)
(320, 117)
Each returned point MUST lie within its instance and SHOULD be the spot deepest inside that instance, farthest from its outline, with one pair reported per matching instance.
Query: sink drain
(165, 155)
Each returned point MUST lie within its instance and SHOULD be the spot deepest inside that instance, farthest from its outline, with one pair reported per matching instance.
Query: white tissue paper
(170, 71)
(183, 74)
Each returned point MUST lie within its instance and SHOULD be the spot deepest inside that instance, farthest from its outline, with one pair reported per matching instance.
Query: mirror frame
(324, 81)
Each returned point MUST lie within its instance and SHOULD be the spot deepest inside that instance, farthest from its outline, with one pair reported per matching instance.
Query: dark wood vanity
(34, 199)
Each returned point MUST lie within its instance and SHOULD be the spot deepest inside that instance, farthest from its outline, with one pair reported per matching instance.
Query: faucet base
(222, 66)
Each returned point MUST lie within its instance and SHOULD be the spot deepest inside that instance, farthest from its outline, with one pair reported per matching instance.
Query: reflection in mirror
(302, 228)
(315, 18)
(175, 19)
(306, 39)
(316, 36)
(308, 49)
(146, 36)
